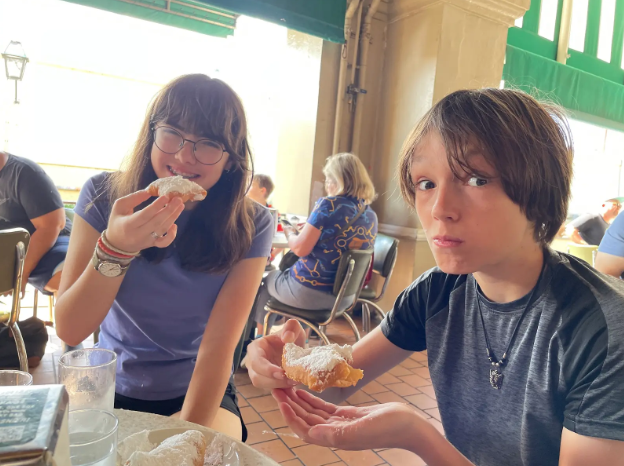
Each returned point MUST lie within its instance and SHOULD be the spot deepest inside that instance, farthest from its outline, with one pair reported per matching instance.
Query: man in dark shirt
(590, 228)
(29, 200)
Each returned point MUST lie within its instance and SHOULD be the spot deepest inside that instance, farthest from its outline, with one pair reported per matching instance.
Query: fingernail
(288, 336)
(279, 375)
(292, 383)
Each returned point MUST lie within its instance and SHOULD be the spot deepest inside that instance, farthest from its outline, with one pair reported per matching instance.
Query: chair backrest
(9, 239)
(386, 248)
(362, 259)
(583, 251)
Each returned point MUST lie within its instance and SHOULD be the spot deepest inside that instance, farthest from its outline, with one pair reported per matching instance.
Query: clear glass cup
(15, 378)
(93, 437)
(89, 378)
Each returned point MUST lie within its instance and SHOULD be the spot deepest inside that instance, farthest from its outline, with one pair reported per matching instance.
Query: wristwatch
(107, 268)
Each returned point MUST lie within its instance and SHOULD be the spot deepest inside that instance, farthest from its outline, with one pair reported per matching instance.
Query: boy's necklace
(496, 371)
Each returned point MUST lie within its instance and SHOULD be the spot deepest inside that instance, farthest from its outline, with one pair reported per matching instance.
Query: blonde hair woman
(309, 283)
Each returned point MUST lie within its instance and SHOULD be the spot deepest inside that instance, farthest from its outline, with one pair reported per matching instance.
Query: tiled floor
(408, 383)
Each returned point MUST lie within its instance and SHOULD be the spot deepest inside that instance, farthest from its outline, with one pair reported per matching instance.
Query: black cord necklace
(496, 369)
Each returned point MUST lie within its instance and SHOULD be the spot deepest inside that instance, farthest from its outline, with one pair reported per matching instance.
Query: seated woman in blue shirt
(326, 235)
(175, 317)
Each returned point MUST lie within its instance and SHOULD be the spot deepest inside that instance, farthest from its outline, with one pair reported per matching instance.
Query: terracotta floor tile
(422, 371)
(422, 401)
(419, 356)
(359, 397)
(313, 455)
(414, 381)
(437, 424)
(396, 457)
(374, 387)
(289, 439)
(428, 390)
(389, 397)
(249, 391)
(435, 413)
(274, 419)
(387, 378)
(260, 432)
(398, 370)
(409, 363)
(242, 402)
(403, 389)
(263, 404)
(241, 378)
(249, 415)
(360, 458)
(294, 462)
(275, 450)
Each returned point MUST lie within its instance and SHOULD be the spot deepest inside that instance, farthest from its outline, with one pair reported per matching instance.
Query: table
(131, 422)
(280, 241)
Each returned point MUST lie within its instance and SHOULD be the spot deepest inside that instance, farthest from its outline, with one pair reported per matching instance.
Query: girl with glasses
(170, 285)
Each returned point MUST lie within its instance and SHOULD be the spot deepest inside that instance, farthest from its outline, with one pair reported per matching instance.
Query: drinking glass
(15, 378)
(92, 437)
(89, 378)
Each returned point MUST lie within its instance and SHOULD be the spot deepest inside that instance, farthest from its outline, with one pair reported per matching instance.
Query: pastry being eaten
(320, 367)
(185, 449)
(177, 186)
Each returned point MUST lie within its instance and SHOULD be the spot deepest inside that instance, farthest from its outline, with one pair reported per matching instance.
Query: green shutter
(588, 97)
(185, 14)
(321, 18)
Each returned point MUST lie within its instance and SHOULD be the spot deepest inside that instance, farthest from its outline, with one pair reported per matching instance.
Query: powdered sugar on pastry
(179, 186)
(133, 443)
(320, 367)
(185, 449)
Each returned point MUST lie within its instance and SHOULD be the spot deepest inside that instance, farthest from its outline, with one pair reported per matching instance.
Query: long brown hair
(220, 228)
(529, 144)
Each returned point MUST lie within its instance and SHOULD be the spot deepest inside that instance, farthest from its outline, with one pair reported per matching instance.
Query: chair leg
(375, 307)
(265, 332)
(21, 347)
(35, 302)
(356, 332)
(320, 331)
(51, 308)
(366, 319)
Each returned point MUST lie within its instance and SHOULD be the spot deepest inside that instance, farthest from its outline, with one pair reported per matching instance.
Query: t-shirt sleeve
(613, 240)
(320, 213)
(593, 370)
(263, 238)
(93, 204)
(36, 192)
(404, 325)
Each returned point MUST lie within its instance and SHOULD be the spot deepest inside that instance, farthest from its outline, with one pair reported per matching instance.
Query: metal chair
(13, 247)
(386, 249)
(352, 270)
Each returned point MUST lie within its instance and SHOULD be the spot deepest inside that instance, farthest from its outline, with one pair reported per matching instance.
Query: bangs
(201, 106)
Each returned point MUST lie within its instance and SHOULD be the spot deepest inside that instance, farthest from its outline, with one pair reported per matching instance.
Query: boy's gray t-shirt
(565, 368)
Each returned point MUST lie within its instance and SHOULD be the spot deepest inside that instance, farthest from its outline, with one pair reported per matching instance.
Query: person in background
(29, 199)
(309, 283)
(261, 189)
(524, 344)
(590, 228)
(171, 284)
(610, 255)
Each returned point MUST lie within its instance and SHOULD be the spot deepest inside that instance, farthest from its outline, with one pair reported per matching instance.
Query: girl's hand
(264, 356)
(132, 231)
(388, 425)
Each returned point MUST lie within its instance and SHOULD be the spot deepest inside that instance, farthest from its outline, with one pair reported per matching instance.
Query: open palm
(389, 425)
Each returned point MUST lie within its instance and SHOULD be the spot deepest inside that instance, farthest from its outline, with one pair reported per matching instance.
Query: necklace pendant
(496, 379)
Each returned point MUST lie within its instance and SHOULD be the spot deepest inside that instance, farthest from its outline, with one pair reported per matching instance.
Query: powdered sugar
(135, 442)
(178, 184)
(185, 449)
(317, 360)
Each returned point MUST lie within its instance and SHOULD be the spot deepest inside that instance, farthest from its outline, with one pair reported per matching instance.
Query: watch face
(108, 269)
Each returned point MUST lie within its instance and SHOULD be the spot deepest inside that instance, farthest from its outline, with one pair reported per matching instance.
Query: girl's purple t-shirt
(158, 318)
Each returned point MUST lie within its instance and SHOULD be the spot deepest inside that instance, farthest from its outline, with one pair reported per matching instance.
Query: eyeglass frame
(184, 141)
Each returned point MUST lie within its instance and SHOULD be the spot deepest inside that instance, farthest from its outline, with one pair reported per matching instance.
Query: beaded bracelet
(107, 257)
(114, 249)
